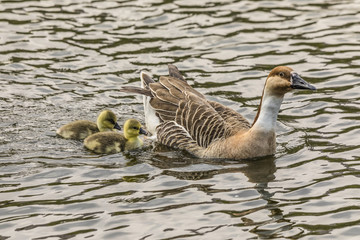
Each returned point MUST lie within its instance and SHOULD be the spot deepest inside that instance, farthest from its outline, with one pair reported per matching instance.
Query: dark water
(66, 60)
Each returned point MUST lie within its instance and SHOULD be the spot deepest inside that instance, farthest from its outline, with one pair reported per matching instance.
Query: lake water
(65, 60)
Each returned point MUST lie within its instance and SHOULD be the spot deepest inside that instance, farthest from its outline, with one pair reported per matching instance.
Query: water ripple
(61, 61)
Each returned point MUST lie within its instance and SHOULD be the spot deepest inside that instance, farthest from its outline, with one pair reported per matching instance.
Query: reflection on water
(61, 61)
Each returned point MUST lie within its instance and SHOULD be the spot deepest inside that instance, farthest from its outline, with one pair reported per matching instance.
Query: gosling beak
(116, 126)
(298, 83)
(142, 131)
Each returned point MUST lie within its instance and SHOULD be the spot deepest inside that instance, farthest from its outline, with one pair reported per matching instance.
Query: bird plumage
(185, 119)
(80, 129)
(114, 142)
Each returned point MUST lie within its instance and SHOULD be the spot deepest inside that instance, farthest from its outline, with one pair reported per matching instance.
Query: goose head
(282, 80)
(132, 129)
(107, 121)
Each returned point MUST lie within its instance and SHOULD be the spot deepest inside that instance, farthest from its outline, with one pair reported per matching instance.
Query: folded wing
(187, 120)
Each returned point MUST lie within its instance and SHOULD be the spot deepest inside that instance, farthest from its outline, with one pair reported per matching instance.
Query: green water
(65, 60)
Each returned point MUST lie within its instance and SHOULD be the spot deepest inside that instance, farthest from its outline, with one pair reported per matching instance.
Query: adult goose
(181, 117)
(81, 129)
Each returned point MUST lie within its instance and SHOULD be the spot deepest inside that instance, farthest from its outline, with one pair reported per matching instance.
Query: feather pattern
(174, 135)
(174, 72)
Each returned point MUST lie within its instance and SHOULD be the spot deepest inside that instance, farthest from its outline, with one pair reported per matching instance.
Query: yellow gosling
(81, 129)
(111, 142)
(181, 117)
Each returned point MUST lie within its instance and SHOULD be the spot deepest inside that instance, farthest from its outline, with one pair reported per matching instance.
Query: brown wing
(231, 117)
(174, 100)
(174, 72)
(167, 95)
(172, 134)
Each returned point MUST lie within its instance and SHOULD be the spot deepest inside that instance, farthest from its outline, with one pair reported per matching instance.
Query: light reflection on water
(66, 61)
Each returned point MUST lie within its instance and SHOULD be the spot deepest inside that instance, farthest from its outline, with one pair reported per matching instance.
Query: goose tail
(137, 90)
(151, 120)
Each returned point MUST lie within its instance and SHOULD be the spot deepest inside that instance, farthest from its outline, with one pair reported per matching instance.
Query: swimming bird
(181, 117)
(80, 129)
(113, 142)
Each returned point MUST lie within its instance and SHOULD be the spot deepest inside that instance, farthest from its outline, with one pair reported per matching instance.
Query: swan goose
(114, 142)
(181, 117)
(80, 129)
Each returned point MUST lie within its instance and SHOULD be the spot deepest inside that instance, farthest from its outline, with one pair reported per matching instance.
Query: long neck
(268, 112)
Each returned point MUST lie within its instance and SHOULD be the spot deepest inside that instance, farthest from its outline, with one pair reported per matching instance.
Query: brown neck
(259, 108)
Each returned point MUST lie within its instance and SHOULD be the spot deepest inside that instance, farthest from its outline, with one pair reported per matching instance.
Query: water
(66, 60)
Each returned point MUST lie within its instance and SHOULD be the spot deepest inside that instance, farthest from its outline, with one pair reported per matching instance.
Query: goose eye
(281, 74)
(135, 128)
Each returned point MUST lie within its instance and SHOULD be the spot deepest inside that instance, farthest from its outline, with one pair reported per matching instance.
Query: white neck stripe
(270, 107)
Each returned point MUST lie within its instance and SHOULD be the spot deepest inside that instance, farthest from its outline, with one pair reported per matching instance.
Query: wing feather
(174, 72)
(173, 91)
(163, 95)
(231, 118)
(158, 104)
(172, 134)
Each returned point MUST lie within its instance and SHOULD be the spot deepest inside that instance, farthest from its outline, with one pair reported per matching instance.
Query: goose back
(194, 119)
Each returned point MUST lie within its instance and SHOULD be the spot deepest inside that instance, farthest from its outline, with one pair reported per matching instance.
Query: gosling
(112, 142)
(81, 129)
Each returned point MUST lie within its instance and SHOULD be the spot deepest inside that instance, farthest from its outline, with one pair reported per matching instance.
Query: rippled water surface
(65, 60)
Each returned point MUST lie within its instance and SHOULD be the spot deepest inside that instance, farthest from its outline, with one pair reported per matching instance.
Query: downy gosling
(113, 142)
(81, 129)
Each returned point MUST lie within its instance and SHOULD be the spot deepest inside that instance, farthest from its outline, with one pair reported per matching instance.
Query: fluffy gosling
(111, 142)
(81, 129)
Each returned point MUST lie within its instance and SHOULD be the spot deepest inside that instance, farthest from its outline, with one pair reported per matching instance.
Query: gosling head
(132, 129)
(283, 79)
(107, 121)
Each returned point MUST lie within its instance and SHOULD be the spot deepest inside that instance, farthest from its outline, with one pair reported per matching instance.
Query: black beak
(298, 83)
(142, 131)
(116, 126)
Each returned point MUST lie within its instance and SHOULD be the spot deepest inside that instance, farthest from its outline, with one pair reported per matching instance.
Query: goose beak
(116, 126)
(298, 83)
(142, 131)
